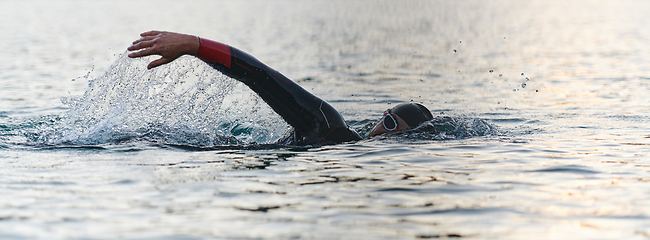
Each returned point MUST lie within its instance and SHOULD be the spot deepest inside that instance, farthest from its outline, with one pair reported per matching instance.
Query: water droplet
(522, 74)
(460, 41)
(389, 103)
(523, 85)
(491, 71)
(514, 90)
(527, 79)
(498, 102)
(500, 75)
(454, 50)
(536, 90)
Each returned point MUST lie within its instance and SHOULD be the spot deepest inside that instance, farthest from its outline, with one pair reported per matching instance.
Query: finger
(142, 39)
(150, 33)
(159, 62)
(143, 53)
(141, 45)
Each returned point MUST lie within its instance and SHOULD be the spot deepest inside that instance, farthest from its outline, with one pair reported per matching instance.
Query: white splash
(178, 103)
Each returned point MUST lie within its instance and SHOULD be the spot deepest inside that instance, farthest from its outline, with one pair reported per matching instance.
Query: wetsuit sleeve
(313, 119)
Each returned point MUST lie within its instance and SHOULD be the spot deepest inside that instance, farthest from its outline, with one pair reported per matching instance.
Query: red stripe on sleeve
(214, 52)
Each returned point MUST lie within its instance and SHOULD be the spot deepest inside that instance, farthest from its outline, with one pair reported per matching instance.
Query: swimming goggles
(389, 121)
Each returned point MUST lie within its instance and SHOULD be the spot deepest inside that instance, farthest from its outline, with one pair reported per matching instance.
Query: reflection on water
(540, 128)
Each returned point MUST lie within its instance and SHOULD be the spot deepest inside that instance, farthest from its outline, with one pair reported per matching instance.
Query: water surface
(93, 146)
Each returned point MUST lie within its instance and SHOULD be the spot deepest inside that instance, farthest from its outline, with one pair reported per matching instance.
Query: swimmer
(314, 121)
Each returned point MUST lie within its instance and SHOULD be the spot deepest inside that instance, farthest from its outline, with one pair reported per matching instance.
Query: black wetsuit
(314, 121)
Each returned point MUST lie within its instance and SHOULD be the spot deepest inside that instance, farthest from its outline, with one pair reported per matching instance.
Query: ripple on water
(575, 169)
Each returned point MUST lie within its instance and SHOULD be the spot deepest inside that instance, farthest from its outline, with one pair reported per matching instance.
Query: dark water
(539, 131)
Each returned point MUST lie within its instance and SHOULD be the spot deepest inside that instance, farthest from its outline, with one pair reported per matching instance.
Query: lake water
(544, 103)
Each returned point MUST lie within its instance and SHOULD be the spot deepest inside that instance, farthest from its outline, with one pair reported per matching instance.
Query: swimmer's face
(379, 127)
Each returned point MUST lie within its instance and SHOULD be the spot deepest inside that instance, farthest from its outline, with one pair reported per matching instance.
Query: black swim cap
(412, 113)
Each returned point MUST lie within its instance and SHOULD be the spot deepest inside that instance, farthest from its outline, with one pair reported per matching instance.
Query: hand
(168, 45)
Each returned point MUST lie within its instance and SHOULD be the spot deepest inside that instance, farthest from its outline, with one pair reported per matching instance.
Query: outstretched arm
(314, 120)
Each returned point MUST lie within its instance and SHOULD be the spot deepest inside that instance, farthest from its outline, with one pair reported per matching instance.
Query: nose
(377, 129)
